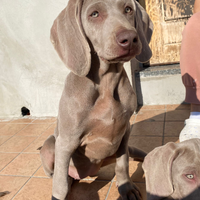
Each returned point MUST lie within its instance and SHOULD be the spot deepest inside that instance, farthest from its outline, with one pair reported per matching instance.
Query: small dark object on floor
(39, 148)
(4, 193)
(25, 111)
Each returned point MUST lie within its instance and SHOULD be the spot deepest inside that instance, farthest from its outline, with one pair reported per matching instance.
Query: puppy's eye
(95, 14)
(128, 9)
(189, 176)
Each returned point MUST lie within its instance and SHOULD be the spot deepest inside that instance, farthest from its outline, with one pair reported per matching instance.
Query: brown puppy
(94, 38)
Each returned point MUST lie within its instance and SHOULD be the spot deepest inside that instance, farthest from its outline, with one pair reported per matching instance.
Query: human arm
(196, 6)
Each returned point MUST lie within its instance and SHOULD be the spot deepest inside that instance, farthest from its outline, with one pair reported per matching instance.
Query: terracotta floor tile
(85, 190)
(40, 140)
(45, 120)
(2, 125)
(40, 173)
(16, 144)
(147, 128)
(150, 115)
(33, 130)
(142, 189)
(132, 119)
(23, 165)
(4, 138)
(49, 131)
(178, 107)
(114, 194)
(21, 120)
(11, 129)
(33, 147)
(153, 107)
(36, 189)
(136, 172)
(106, 173)
(145, 143)
(173, 128)
(6, 158)
(170, 139)
(177, 115)
(11, 184)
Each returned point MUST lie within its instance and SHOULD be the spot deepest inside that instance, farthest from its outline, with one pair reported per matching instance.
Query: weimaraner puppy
(173, 171)
(94, 38)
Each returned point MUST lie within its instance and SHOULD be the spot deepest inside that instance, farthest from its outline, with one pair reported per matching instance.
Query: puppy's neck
(100, 68)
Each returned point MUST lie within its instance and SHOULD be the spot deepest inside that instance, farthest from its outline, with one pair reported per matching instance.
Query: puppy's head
(173, 170)
(116, 30)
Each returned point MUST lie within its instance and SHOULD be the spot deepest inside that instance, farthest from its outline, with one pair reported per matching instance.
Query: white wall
(31, 73)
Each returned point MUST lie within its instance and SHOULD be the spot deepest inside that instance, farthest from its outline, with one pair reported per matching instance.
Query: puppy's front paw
(129, 191)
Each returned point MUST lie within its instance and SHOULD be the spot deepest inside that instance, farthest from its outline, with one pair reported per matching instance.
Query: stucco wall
(31, 73)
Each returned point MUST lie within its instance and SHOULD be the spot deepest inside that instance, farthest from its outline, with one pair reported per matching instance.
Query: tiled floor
(20, 167)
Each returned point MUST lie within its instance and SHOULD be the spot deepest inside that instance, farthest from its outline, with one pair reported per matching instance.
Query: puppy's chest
(106, 127)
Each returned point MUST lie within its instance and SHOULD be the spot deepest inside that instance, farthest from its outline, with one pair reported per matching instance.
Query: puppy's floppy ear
(157, 167)
(69, 40)
(144, 27)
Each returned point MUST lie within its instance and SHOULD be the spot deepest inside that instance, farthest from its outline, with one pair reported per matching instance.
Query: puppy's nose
(127, 39)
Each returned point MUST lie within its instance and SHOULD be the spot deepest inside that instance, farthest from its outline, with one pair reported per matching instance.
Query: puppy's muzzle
(127, 39)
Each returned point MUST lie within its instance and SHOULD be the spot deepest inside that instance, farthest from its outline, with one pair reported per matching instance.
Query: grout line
(36, 171)
(14, 134)
(14, 152)
(15, 175)
(111, 183)
(21, 188)
(9, 162)
(37, 137)
(22, 152)
(147, 135)
(41, 177)
(19, 153)
(30, 177)
(7, 139)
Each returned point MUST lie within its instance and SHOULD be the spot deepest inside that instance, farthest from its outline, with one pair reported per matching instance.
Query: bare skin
(196, 6)
(196, 107)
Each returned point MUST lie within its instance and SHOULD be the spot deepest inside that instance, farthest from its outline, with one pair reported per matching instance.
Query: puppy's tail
(136, 154)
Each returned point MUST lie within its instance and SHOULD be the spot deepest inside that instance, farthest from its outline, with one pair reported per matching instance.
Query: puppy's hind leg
(136, 154)
(47, 154)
